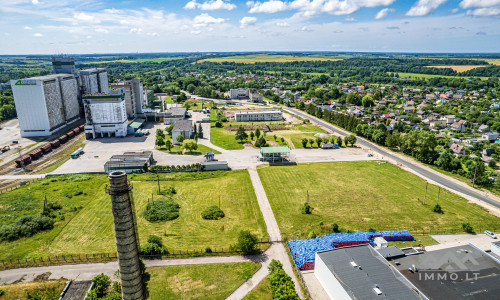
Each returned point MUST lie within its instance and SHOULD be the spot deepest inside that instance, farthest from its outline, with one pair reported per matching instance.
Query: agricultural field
(37, 290)
(459, 68)
(493, 61)
(382, 197)
(263, 58)
(292, 137)
(198, 281)
(87, 224)
(417, 75)
(261, 292)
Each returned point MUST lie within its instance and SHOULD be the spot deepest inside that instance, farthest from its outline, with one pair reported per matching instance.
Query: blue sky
(111, 26)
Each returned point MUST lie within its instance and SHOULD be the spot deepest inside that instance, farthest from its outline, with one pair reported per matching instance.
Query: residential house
(457, 126)
(457, 149)
(488, 151)
(490, 136)
(184, 128)
(450, 119)
(484, 128)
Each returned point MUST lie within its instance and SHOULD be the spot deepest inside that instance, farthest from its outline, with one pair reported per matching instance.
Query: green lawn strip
(90, 230)
(360, 195)
(210, 281)
(46, 289)
(261, 292)
(403, 75)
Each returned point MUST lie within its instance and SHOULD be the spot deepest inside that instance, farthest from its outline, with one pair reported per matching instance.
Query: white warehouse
(263, 115)
(45, 104)
(134, 96)
(94, 81)
(105, 114)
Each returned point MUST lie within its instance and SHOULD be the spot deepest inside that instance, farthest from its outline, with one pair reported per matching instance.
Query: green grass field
(360, 195)
(261, 292)
(417, 75)
(45, 289)
(90, 230)
(211, 281)
(251, 59)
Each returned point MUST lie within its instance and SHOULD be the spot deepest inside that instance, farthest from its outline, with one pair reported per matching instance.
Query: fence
(100, 257)
(7, 187)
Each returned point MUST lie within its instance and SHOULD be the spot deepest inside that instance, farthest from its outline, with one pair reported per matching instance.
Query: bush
(312, 235)
(280, 283)
(467, 227)
(218, 124)
(437, 209)
(78, 193)
(212, 213)
(247, 242)
(161, 210)
(307, 209)
(371, 229)
(335, 228)
(154, 246)
(2, 292)
(25, 227)
(101, 284)
(208, 250)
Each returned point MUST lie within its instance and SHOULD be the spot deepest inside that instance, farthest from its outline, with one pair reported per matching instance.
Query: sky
(130, 26)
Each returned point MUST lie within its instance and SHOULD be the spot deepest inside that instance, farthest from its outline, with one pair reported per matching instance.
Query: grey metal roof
(391, 252)
(176, 111)
(373, 271)
(183, 125)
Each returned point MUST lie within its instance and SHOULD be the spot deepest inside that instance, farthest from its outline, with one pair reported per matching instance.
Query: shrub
(212, 213)
(25, 227)
(247, 242)
(218, 124)
(335, 227)
(437, 209)
(161, 210)
(371, 229)
(2, 292)
(467, 227)
(78, 193)
(101, 284)
(307, 209)
(154, 246)
(281, 284)
(208, 250)
(312, 235)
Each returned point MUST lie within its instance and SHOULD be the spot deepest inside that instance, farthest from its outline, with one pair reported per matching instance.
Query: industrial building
(360, 272)
(130, 162)
(105, 114)
(244, 93)
(134, 96)
(45, 104)
(63, 65)
(184, 128)
(93, 81)
(264, 115)
(174, 114)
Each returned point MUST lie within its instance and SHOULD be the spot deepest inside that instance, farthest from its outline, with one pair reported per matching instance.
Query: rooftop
(257, 112)
(183, 125)
(371, 271)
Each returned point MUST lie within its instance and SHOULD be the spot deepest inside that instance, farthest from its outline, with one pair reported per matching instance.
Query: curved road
(441, 179)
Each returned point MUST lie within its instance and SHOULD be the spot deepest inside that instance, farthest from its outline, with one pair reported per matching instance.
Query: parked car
(370, 155)
(490, 234)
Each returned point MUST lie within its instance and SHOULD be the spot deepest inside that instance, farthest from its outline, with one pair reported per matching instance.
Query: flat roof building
(130, 162)
(174, 114)
(360, 272)
(261, 115)
(134, 96)
(46, 104)
(105, 114)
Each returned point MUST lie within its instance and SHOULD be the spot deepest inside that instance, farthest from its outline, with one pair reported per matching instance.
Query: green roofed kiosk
(274, 154)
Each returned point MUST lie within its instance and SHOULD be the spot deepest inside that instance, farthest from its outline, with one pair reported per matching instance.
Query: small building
(380, 242)
(457, 149)
(214, 165)
(130, 162)
(174, 114)
(489, 136)
(264, 115)
(184, 128)
(135, 125)
(274, 154)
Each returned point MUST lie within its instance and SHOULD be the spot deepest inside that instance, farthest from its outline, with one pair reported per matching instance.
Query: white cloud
(35, 2)
(350, 19)
(424, 7)
(310, 8)
(272, 6)
(102, 30)
(135, 30)
(210, 5)
(483, 8)
(454, 11)
(246, 21)
(153, 34)
(383, 13)
(282, 24)
(27, 28)
(206, 19)
(37, 35)
(84, 17)
(195, 32)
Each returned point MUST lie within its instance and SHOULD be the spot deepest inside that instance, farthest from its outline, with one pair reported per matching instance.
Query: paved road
(440, 179)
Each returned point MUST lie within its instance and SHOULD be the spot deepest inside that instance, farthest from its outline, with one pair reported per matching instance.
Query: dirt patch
(43, 277)
(19, 280)
(273, 143)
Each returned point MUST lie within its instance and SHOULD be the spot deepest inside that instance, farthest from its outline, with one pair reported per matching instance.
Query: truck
(77, 153)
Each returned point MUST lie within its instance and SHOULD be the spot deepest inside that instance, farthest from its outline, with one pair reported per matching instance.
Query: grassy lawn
(177, 149)
(226, 139)
(211, 281)
(90, 229)
(417, 75)
(360, 195)
(44, 289)
(257, 58)
(261, 292)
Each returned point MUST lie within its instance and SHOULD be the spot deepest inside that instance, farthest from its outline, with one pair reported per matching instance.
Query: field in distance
(258, 58)
(89, 228)
(362, 195)
(459, 68)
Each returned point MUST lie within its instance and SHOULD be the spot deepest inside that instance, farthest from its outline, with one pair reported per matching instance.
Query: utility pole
(439, 191)
(158, 179)
(475, 172)
(425, 196)
(307, 201)
(219, 202)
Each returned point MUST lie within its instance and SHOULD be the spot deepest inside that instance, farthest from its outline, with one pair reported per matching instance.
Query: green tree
(319, 141)
(367, 101)
(189, 145)
(257, 133)
(304, 142)
(159, 132)
(168, 145)
(101, 284)
(241, 135)
(179, 138)
(169, 129)
(247, 242)
(252, 134)
(200, 131)
(160, 141)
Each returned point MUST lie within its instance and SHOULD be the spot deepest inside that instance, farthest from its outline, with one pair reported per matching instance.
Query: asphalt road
(440, 179)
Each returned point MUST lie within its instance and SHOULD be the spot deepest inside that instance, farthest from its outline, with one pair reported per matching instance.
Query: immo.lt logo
(447, 267)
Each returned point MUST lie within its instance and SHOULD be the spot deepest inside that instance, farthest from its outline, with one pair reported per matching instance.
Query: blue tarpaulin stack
(303, 251)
